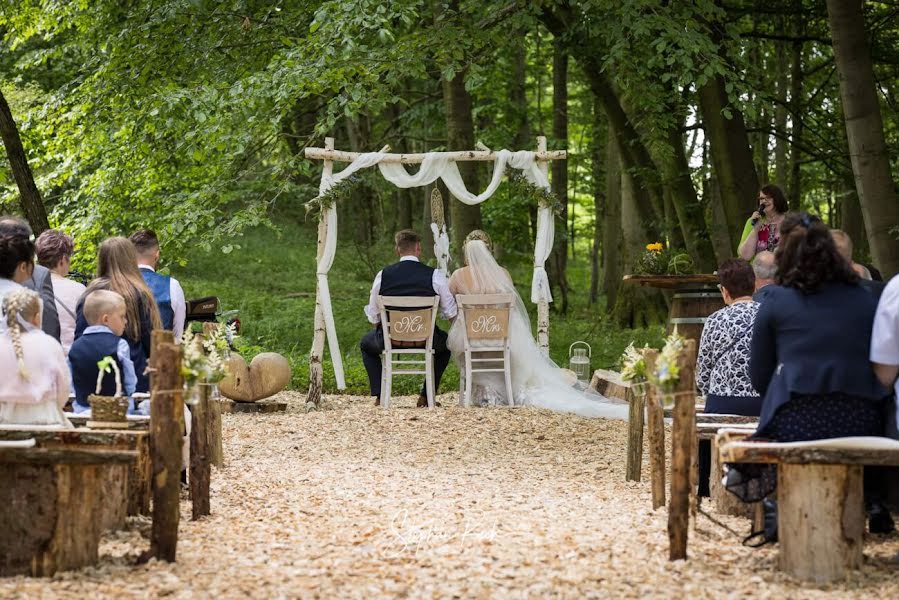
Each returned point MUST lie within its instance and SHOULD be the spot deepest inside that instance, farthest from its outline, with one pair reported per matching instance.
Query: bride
(536, 380)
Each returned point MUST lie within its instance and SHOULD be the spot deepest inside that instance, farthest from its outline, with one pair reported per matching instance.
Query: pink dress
(39, 399)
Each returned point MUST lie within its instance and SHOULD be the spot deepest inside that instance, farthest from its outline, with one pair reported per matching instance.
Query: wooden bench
(60, 490)
(821, 515)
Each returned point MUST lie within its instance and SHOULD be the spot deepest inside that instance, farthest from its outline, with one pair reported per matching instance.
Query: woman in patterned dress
(762, 229)
(722, 367)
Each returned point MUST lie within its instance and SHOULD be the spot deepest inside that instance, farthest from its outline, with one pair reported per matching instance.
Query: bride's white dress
(536, 380)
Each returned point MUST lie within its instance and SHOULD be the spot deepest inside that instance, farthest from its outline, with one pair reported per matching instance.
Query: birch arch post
(433, 165)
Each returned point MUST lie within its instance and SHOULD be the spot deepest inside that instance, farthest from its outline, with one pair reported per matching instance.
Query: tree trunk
(403, 195)
(724, 246)
(864, 128)
(731, 156)
(29, 195)
(794, 194)
(460, 136)
(597, 159)
(611, 223)
(780, 112)
(559, 256)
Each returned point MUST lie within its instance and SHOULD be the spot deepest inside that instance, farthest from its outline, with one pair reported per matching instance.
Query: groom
(408, 277)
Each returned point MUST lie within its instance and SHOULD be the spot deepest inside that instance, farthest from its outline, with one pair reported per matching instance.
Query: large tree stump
(267, 374)
(199, 456)
(820, 520)
(724, 502)
(54, 506)
(166, 422)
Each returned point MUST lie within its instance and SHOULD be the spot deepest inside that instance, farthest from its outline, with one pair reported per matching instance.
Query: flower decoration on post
(204, 357)
(633, 369)
(666, 375)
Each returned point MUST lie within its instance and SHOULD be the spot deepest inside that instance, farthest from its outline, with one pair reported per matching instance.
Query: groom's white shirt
(441, 287)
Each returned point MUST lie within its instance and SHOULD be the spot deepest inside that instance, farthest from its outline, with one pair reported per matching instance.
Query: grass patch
(271, 280)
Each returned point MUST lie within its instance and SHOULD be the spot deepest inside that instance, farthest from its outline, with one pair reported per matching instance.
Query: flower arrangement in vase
(653, 261)
(204, 358)
(633, 369)
(666, 374)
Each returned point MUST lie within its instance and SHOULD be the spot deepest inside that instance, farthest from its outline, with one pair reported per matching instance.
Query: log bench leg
(724, 502)
(635, 437)
(821, 520)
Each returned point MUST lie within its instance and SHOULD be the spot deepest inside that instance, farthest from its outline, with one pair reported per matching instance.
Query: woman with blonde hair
(34, 377)
(117, 271)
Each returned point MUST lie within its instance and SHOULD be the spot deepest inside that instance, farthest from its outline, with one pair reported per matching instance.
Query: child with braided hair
(34, 377)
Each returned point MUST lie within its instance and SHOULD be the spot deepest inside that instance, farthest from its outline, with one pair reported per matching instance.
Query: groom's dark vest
(407, 278)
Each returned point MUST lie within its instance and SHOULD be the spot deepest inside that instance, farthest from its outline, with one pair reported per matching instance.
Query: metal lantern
(579, 360)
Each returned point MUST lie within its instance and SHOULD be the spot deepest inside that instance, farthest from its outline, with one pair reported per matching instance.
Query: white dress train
(536, 380)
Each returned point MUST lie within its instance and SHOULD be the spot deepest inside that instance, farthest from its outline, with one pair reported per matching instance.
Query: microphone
(761, 211)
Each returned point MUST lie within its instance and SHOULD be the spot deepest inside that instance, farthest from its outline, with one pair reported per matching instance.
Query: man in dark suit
(40, 280)
(408, 277)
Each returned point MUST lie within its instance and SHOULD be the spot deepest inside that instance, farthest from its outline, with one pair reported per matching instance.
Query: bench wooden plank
(838, 451)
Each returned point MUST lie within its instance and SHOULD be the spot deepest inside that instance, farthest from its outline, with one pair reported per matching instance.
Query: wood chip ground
(356, 502)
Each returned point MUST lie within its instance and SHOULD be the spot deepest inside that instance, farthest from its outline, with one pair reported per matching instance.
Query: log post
(316, 373)
(214, 433)
(656, 433)
(683, 432)
(199, 455)
(820, 520)
(543, 305)
(166, 422)
(724, 502)
(635, 418)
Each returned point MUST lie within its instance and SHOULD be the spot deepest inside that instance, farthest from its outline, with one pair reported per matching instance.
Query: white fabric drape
(436, 165)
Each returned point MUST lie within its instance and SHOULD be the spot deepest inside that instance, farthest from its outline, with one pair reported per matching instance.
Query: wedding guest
(885, 347)
(407, 277)
(809, 356)
(117, 271)
(39, 280)
(762, 230)
(34, 378)
(104, 312)
(166, 290)
(54, 250)
(764, 269)
(866, 279)
(16, 263)
(722, 365)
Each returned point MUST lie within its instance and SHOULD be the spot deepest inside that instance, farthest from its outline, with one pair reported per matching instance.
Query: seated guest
(34, 378)
(885, 347)
(764, 268)
(117, 271)
(809, 357)
(722, 366)
(54, 250)
(39, 280)
(105, 314)
(866, 280)
(166, 290)
(16, 263)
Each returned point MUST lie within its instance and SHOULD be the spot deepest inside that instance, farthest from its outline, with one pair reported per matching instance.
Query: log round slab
(267, 374)
(821, 520)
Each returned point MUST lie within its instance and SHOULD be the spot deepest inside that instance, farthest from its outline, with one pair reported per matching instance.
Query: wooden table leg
(821, 520)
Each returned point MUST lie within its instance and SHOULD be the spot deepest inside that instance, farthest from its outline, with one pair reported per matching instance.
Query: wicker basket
(109, 409)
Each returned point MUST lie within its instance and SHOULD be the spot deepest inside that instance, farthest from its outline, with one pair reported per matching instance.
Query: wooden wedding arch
(323, 324)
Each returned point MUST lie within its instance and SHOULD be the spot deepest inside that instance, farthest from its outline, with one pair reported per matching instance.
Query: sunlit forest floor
(270, 278)
(358, 502)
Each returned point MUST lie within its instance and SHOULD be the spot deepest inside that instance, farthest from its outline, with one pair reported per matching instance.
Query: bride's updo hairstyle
(478, 235)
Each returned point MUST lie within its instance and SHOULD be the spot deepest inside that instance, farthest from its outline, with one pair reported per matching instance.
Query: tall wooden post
(199, 455)
(543, 305)
(683, 432)
(214, 433)
(635, 417)
(313, 398)
(166, 421)
(655, 431)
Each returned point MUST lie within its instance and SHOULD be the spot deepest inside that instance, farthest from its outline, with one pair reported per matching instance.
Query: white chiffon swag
(436, 165)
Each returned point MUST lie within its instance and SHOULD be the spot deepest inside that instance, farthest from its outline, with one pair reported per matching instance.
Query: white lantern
(579, 360)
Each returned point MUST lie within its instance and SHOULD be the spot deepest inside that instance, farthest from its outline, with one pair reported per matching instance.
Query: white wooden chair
(408, 336)
(485, 318)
